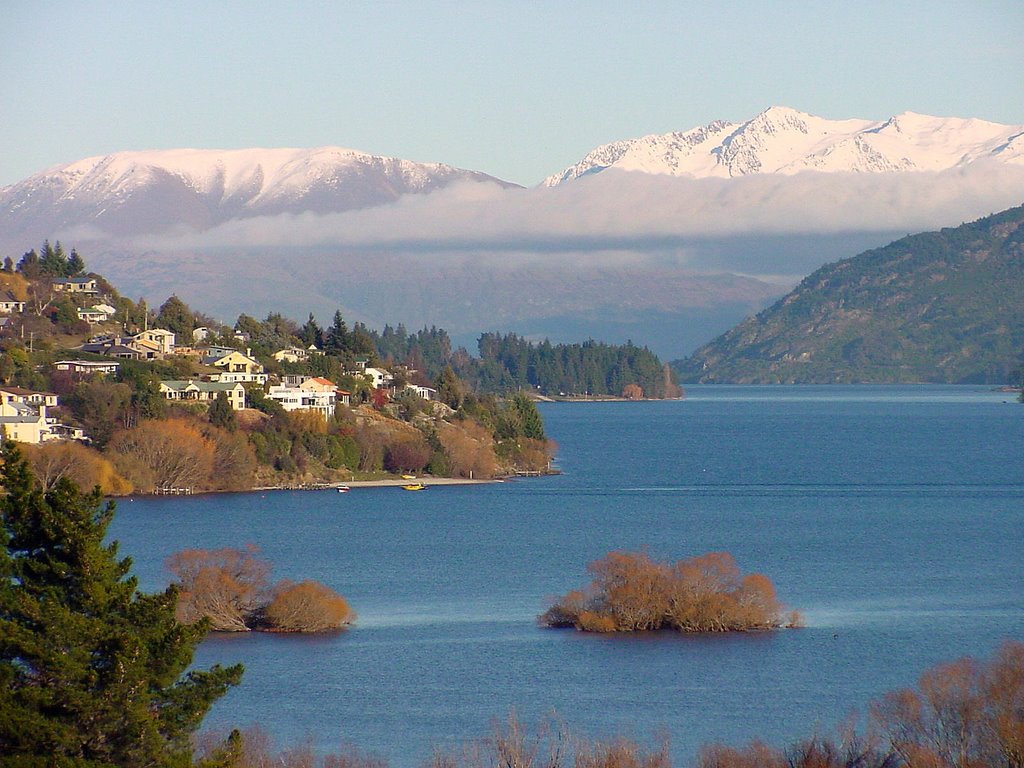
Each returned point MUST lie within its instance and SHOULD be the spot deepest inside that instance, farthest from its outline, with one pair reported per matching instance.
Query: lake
(892, 517)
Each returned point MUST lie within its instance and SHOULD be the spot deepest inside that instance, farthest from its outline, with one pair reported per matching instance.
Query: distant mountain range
(128, 194)
(669, 255)
(944, 306)
(781, 140)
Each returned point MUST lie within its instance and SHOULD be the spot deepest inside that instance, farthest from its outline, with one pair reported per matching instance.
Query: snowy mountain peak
(783, 140)
(154, 190)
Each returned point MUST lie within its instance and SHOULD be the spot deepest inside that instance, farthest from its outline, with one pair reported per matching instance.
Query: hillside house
(203, 391)
(312, 394)
(214, 351)
(294, 354)
(84, 286)
(99, 313)
(23, 416)
(161, 338)
(378, 377)
(237, 366)
(86, 368)
(427, 393)
(10, 305)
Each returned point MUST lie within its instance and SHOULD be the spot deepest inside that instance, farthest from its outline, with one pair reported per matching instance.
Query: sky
(519, 90)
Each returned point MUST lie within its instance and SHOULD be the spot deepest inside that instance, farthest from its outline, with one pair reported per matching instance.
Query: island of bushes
(630, 592)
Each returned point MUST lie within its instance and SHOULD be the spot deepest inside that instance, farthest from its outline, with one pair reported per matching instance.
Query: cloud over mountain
(662, 234)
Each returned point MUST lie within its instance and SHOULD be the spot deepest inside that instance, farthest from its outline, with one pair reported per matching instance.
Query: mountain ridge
(201, 188)
(786, 141)
(938, 307)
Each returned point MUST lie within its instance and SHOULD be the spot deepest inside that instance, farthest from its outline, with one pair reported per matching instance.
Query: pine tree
(92, 672)
(221, 414)
(75, 265)
(529, 417)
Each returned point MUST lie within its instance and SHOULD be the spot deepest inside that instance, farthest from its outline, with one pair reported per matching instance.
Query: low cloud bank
(624, 211)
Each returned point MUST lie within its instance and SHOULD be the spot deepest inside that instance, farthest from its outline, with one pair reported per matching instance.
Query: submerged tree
(92, 672)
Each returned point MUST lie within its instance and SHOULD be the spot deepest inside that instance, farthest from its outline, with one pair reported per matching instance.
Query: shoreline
(381, 483)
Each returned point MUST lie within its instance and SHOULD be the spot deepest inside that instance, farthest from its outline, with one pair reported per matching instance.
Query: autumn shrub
(963, 713)
(253, 748)
(631, 592)
(407, 453)
(230, 588)
(226, 586)
(470, 449)
(306, 607)
(84, 466)
(174, 451)
(548, 745)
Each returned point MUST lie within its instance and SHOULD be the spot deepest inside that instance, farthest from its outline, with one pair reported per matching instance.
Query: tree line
(509, 362)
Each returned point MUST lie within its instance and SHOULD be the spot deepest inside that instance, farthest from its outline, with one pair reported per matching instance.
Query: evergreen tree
(337, 336)
(532, 424)
(29, 265)
(75, 265)
(175, 315)
(53, 260)
(92, 672)
(221, 414)
(312, 333)
(449, 388)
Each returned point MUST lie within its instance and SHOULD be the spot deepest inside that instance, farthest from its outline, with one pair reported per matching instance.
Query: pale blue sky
(516, 89)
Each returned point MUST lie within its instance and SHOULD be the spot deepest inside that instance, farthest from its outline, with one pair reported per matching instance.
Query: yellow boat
(414, 487)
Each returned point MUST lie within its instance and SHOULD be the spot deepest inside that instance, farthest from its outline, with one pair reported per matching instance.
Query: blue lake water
(893, 517)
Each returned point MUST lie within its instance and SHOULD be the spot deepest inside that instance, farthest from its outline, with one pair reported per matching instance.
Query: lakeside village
(103, 390)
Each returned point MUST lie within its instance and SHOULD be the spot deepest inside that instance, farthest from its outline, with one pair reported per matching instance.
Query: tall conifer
(92, 672)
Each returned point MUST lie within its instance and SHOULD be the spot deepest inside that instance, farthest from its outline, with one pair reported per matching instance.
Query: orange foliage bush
(549, 745)
(631, 592)
(173, 452)
(87, 468)
(306, 607)
(228, 587)
(633, 392)
(963, 714)
(470, 448)
(225, 586)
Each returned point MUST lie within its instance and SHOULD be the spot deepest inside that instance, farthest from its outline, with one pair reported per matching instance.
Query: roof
(202, 386)
(26, 392)
(89, 363)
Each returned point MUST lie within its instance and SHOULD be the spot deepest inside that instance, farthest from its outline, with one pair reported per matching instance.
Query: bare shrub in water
(631, 592)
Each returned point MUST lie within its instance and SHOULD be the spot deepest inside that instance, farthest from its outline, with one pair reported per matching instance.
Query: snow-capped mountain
(130, 193)
(784, 141)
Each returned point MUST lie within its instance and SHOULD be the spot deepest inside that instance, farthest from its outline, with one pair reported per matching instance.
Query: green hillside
(944, 306)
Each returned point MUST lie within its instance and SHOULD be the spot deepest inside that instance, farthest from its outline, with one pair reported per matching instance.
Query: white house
(378, 377)
(87, 367)
(99, 313)
(9, 304)
(23, 415)
(203, 391)
(313, 394)
(427, 393)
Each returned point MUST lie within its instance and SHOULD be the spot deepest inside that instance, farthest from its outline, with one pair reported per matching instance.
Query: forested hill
(944, 306)
(510, 362)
